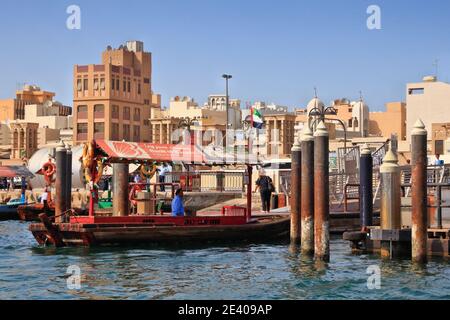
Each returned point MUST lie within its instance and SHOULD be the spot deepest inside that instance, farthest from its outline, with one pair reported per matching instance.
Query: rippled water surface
(271, 271)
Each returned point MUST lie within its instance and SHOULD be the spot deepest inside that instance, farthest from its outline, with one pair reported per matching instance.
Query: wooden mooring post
(321, 194)
(307, 196)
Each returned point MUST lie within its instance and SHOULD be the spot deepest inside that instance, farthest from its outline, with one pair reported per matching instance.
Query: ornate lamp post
(319, 114)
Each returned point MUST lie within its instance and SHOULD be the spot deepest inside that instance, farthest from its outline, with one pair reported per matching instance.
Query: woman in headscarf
(265, 186)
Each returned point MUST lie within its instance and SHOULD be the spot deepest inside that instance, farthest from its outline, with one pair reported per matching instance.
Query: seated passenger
(177, 204)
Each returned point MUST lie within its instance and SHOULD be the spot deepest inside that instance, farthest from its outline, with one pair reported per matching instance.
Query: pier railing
(201, 181)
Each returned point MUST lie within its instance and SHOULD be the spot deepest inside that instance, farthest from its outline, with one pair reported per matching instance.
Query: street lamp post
(321, 114)
(187, 123)
(227, 77)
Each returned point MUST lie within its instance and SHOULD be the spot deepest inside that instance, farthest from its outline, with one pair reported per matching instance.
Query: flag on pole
(257, 119)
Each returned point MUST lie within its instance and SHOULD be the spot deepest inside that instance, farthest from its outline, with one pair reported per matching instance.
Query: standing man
(162, 175)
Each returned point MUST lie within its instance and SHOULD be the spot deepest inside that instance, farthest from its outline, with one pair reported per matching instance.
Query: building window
(414, 91)
(356, 123)
(117, 84)
(113, 84)
(115, 112)
(126, 113)
(136, 134)
(79, 85)
(102, 84)
(129, 86)
(350, 123)
(126, 132)
(115, 131)
(96, 86)
(99, 111)
(147, 102)
(146, 80)
(124, 86)
(99, 127)
(82, 128)
(439, 147)
(139, 88)
(137, 114)
(85, 84)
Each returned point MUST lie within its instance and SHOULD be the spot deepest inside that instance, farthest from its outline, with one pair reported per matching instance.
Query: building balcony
(82, 136)
(82, 68)
(82, 115)
(99, 115)
(99, 135)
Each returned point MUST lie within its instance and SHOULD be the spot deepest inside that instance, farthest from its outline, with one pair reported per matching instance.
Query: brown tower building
(113, 100)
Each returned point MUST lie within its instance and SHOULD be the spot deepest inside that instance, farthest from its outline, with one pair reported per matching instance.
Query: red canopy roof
(133, 151)
(147, 151)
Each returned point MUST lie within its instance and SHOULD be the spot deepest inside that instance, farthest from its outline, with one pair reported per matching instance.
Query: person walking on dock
(265, 186)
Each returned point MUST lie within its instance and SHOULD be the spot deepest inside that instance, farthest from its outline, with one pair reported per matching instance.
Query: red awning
(15, 171)
(130, 151)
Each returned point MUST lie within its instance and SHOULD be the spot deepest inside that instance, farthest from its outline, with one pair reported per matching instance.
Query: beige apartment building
(429, 101)
(36, 123)
(391, 121)
(113, 100)
(167, 125)
(14, 109)
(279, 134)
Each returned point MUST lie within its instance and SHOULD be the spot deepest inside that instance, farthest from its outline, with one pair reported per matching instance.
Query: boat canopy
(15, 171)
(121, 151)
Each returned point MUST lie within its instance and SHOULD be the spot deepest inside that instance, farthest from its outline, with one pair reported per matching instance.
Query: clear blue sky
(277, 51)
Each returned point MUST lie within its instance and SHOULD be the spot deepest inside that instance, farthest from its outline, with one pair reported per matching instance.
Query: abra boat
(161, 230)
(232, 224)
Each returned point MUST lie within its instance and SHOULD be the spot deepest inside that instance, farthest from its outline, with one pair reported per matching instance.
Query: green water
(271, 271)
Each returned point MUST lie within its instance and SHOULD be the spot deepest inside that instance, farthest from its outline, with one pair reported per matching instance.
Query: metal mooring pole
(296, 177)
(419, 193)
(69, 178)
(307, 195)
(60, 184)
(321, 194)
(390, 201)
(366, 187)
(120, 190)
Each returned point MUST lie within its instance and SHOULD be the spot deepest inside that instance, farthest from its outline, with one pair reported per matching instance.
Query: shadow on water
(172, 247)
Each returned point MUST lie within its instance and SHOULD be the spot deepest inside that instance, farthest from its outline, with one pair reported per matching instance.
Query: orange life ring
(133, 193)
(49, 169)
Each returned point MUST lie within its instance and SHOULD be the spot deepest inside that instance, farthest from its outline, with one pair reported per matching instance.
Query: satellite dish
(48, 103)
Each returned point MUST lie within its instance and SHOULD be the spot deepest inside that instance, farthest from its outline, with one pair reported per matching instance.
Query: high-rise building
(113, 100)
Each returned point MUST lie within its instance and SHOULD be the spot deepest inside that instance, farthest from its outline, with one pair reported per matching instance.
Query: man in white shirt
(162, 175)
(44, 199)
